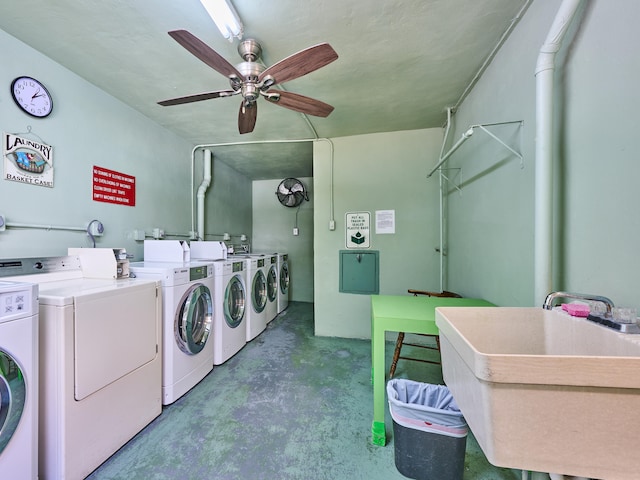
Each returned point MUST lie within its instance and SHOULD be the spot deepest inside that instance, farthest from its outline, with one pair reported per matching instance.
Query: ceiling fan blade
(247, 117)
(198, 97)
(301, 63)
(299, 103)
(204, 52)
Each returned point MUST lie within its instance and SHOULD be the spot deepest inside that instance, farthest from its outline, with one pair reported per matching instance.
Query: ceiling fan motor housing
(250, 72)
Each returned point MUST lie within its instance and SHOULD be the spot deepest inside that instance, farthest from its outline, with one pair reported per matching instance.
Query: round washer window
(234, 302)
(194, 319)
(12, 397)
(259, 291)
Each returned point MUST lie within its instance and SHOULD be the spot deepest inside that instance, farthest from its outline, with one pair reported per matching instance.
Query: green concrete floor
(288, 406)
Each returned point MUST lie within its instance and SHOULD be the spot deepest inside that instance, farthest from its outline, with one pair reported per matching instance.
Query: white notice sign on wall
(358, 230)
(385, 221)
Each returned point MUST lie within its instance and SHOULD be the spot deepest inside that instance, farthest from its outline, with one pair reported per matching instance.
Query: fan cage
(291, 192)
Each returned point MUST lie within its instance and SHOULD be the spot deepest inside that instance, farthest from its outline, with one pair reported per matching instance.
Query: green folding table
(401, 313)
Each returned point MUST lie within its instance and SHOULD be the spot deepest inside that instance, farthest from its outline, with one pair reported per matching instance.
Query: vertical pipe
(543, 239)
(202, 190)
(441, 186)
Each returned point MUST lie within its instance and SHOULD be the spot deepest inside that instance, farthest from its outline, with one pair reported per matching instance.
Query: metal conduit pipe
(442, 211)
(195, 233)
(543, 220)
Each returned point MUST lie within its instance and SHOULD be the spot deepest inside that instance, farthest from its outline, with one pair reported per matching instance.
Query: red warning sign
(113, 187)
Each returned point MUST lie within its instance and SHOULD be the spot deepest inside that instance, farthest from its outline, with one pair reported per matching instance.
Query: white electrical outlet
(138, 235)
(158, 233)
(332, 224)
(296, 231)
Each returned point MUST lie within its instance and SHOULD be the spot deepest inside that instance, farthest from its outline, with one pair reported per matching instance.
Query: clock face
(31, 96)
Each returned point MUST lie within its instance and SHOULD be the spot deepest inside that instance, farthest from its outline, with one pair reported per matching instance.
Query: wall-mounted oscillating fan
(291, 192)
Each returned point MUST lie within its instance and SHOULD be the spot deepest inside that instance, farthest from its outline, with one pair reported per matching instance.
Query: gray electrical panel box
(359, 271)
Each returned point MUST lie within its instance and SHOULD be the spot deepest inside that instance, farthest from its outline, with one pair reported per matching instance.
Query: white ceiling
(401, 64)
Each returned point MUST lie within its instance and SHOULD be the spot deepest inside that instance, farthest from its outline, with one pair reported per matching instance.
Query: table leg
(378, 433)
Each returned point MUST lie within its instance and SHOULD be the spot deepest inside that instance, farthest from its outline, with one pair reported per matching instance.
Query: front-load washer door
(272, 284)
(12, 397)
(259, 292)
(194, 319)
(234, 302)
(284, 278)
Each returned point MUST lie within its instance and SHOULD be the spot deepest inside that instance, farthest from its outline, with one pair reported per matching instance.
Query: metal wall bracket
(469, 132)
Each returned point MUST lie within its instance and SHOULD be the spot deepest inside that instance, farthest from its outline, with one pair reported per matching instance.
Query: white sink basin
(544, 391)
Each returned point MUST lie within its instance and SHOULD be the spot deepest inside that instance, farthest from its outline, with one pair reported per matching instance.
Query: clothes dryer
(188, 310)
(283, 281)
(229, 329)
(100, 365)
(18, 381)
(271, 261)
(256, 320)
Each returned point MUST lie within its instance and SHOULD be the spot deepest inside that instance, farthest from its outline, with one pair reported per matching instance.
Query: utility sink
(544, 391)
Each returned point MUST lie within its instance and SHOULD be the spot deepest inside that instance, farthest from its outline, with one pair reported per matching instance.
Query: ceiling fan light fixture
(225, 17)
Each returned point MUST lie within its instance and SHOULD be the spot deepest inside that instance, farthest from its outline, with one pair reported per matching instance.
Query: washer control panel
(17, 300)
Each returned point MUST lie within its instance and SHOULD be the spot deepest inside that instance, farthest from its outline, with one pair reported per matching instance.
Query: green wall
(385, 171)
(273, 232)
(100, 130)
(596, 199)
(228, 206)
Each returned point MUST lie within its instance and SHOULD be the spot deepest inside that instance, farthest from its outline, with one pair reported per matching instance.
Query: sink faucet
(548, 302)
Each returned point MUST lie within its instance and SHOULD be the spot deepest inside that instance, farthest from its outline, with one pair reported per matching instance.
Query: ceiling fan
(251, 79)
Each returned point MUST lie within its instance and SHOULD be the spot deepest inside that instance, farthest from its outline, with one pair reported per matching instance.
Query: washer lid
(64, 292)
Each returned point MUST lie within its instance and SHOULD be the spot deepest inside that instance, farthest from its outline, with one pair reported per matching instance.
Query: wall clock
(31, 96)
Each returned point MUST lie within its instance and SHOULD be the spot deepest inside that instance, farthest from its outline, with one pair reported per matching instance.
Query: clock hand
(37, 94)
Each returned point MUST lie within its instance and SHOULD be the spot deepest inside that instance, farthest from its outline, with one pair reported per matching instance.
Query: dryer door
(12, 397)
(259, 291)
(272, 284)
(284, 278)
(194, 319)
(234, 302)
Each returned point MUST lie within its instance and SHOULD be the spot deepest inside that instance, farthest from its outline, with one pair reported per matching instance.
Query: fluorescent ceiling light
(225, 17)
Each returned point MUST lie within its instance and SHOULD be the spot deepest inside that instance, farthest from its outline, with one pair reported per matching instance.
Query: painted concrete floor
(288, 406)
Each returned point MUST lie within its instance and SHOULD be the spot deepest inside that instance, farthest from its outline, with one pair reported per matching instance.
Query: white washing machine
(283, 281)
(100, 362)
(271, 261)
(229, 329)
(18, 381)
(256, 319)
(188, 310)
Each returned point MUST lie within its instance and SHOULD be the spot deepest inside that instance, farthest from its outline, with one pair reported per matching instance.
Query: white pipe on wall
(545, 66)
(441, 185)
(227, 144)
(202, 190)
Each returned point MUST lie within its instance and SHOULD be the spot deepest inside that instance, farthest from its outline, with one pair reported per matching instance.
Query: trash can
(429, 431)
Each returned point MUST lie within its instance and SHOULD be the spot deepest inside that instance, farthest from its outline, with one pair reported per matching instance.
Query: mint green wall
(597, 170)
(89, 127)
(385, 171)
(228, 206)
(273, 232)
